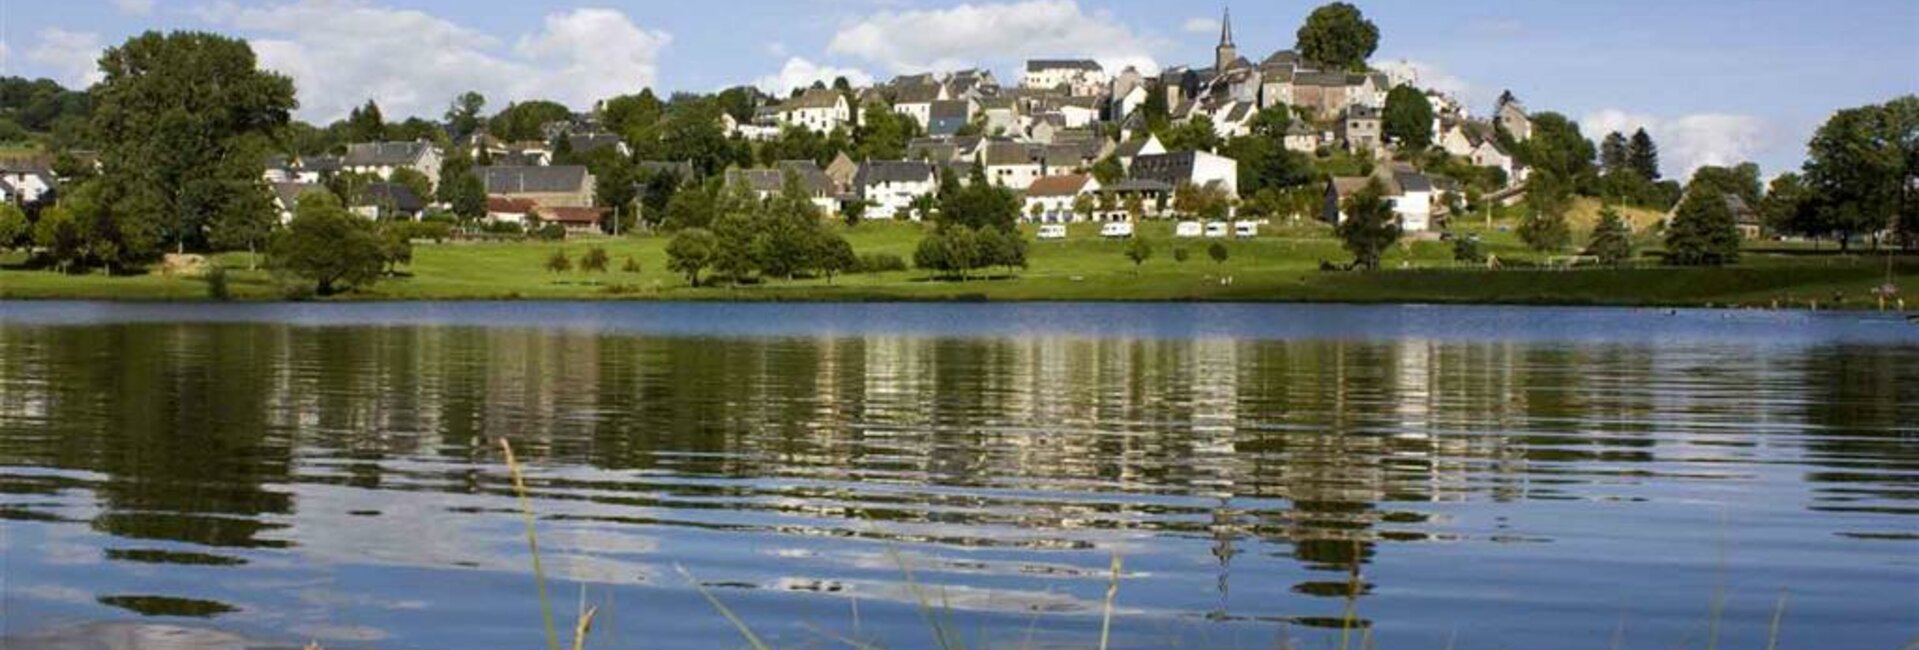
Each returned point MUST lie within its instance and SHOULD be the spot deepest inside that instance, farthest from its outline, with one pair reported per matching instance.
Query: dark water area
(265, 475)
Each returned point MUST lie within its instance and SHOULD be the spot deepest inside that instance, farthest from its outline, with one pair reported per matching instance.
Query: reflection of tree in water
(177, 418)
(1862, 433)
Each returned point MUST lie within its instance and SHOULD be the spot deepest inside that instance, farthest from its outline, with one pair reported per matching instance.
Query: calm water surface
(220, 476)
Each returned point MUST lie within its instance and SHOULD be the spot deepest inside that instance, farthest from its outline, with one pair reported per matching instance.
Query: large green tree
(1370, 227)
(526, 121)
(365, 124)
(1544, 226)
(330, 247)
(1788, 208)
(1702, 232)
(1408, 118)
(1339, 36)
(467, 114)
(1642, 155)
(1611, 239)
(1557, 147)
(175, 114)
(1862, 166)
(691, 252)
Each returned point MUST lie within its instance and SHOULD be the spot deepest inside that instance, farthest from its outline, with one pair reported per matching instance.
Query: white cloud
(978, 34)
(1689, 142)
(72, 57)
(134, 7)
(341, 53)
(799, 72)
(1202, 25)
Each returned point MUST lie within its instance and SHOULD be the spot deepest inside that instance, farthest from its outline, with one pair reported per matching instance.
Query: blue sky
(1715, 80)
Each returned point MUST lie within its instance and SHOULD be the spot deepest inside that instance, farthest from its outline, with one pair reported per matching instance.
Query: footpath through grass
(1281, 265)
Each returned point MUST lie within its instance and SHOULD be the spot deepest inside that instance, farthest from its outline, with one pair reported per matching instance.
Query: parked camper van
(1246, 229)
(1120, 230)
(1216, 230)
(1051, 232)
(1189, 229)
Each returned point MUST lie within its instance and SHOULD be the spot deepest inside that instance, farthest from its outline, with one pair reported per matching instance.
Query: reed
(751, 638)
(1112, 594)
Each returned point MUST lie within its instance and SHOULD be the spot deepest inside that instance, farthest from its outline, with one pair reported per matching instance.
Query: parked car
(1120, 230)
(1246, 229)
(1216, 230)
(1052, 232)
(1189, 229)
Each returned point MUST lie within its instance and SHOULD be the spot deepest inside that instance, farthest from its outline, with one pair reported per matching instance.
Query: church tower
(1226, 53)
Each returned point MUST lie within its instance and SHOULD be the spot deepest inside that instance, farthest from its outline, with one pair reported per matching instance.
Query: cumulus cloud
(72, 57)
(341, 53)
(799, 72)
(993, 33)
(134, 7)
(1202, 25)
(1689, 142)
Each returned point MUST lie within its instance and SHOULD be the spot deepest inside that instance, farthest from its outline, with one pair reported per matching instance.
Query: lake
(265, 475)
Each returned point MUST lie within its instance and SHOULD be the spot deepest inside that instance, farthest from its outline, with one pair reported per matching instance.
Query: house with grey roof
(817, 109)
(286, 197)
(587, 143)
(388, 202)
(381, 159)
(1197, 168)
(558, 186)
(1013, 165)
(1080, 77)
(765, 183)
(916, 101)
(889, 187)
(1362, 129)
(947, 117)
(1410, 193)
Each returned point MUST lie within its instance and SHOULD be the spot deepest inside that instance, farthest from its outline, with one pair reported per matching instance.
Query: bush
(1181, 255)
(1218, 252)
(330, 247)
(502, 228)
(632, 266)
(594, 261)
(217, 288)
(881, 263)
(1466, 249)
(558, 262)
(551, 232)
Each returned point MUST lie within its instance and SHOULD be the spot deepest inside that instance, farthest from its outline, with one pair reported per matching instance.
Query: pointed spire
(1226, 29)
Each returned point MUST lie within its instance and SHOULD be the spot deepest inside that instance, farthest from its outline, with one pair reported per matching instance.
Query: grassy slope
(1282, 266)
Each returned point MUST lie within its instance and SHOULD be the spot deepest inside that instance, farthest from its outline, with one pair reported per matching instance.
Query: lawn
(1281, 265)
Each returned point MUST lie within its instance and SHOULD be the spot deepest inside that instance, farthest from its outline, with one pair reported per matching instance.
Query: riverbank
(1282, 266)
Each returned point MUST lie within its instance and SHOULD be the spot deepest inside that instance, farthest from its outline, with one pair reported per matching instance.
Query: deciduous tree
(1369, 228)
(1339, 36)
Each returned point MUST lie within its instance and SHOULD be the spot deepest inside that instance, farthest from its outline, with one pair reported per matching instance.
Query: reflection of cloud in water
(442, 530)
(137, 636)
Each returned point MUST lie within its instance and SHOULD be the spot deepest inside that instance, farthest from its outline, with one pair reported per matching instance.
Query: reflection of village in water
(1001, 468)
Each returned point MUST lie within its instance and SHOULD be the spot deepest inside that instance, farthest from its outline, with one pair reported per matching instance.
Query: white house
(818, 109)
(1081, 77)
(1050, 199)
(1013, 165)
(890, 186)
(1475, 141)
(1196, 167)
(383, 158)
(26, 183)
(1410, 193)
(916, 101)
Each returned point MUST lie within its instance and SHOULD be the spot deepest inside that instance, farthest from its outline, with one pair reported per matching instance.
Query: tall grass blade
(1112, 594)
(1778, 614)
(532, 544)
(933, 620)
(751, 638)
(1352, 602)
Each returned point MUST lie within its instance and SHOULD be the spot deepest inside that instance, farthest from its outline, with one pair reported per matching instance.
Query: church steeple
(1226, 53)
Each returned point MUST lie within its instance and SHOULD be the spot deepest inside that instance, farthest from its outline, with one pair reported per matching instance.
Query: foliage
(1642, 155)
(550, 232)
(526, 121)
(217, 286)
(631, 267)
(691, 252)
(396, 244)
(631, 115)
(1863, 170)
(558, 262)
(60, 237)
(460, 189)
(834, 256)
(1108, 170)
(1210, 202)
(1466, 249)
(14, 227)
(1789, 208)
(415, 180)
(329, 246)
(465, 115)
(1702, 232)
(595, 260)
(1741, 180)
(246, 220)
(1196, 134)
(881, 263)
(1544, 227)
(1558, 148)
(1218, 252)
(1408, 118)
(1339, 36)
(980, 205)
(179, 117)
(950, 251)
(1266, 164)
(365, 124)
(1138, 251)
(41, 105)
(1181, 255)
(1369, 228)
(883, 134)
(1611, 239)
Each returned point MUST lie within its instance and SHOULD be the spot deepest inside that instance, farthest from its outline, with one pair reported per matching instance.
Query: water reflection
(339, 480)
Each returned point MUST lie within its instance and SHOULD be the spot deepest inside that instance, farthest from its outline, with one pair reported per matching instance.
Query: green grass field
(1281, 265)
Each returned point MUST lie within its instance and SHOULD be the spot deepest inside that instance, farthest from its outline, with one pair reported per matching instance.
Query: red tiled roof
(1066, 185)
(504, 205)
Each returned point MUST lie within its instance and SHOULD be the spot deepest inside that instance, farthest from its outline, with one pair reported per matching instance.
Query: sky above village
(1715, 81)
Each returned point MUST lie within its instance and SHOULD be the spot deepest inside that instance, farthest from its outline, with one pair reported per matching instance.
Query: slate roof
(289, 193)
(1131, 148)
(394, 195)
(384, 154)
(916, 94)
(773, 179)
(874, 172)
(1168, 168)
(1037, 65)
(813, 98)
(558, 179)
(1005, 152)
(958, 109)
(682, 168)
(937, 150)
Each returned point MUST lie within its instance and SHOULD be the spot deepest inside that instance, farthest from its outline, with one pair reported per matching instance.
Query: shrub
(551, 232)
(1181, 255)
(558, 262)
(1466, 249)
(632, 266)
(881, 263)
(594, 261)
(217, 288)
